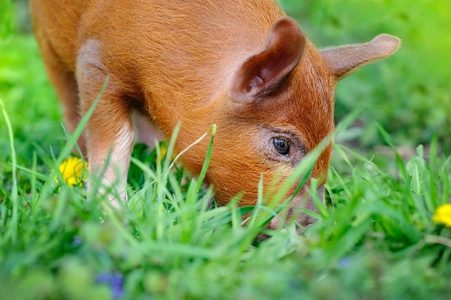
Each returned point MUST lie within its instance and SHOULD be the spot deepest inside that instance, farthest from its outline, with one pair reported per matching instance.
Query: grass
(375, 239)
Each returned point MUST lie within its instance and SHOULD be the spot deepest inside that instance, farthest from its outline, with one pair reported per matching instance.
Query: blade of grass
(13, 224)
(444, 175)
(433, 151)
(318, 204)
(399, 161)
(342, 183)
(203, 172)
(33, 179)
(342, 154)
(170, 149)
(32, 173)
(259, 204)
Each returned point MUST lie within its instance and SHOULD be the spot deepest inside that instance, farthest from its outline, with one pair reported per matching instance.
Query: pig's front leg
(109, 132)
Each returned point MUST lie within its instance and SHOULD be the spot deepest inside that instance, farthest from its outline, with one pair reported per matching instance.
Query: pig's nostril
(306, 221)
(280, 221)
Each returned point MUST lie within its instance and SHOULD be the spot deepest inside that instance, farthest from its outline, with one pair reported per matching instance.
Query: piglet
(242, 65)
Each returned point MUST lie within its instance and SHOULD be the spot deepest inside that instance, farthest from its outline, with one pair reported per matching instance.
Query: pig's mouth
(303, 219)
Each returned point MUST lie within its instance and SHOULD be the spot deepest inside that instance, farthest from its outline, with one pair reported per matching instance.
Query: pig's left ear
(263, 72)
(344, 60)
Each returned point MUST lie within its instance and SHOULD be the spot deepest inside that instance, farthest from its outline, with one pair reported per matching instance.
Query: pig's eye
(282, 146)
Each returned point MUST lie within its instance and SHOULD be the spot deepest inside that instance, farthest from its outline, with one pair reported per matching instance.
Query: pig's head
(279, 107)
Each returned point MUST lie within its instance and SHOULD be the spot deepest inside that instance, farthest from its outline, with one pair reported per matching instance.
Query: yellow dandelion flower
(163, 150)
(72, 171)
(443, 215)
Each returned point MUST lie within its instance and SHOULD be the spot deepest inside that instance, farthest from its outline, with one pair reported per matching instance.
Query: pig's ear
(344, 60)
(263, 72)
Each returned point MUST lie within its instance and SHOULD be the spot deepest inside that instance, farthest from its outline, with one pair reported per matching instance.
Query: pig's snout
(303, 219)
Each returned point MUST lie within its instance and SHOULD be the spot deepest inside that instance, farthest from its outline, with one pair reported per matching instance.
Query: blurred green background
(408, 93)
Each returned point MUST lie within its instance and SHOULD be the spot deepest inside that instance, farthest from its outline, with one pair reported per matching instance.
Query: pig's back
(184, 44)
(56, 26)
(158, 44)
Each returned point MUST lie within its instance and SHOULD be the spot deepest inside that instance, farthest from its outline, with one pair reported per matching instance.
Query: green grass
(375, 239)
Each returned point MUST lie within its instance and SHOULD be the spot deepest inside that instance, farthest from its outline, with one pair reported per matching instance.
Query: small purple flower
(345, 262)
(77, 241)
(8, 186)
(115, 280)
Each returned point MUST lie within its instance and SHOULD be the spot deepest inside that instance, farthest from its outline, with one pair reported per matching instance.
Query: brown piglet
(240, 64)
